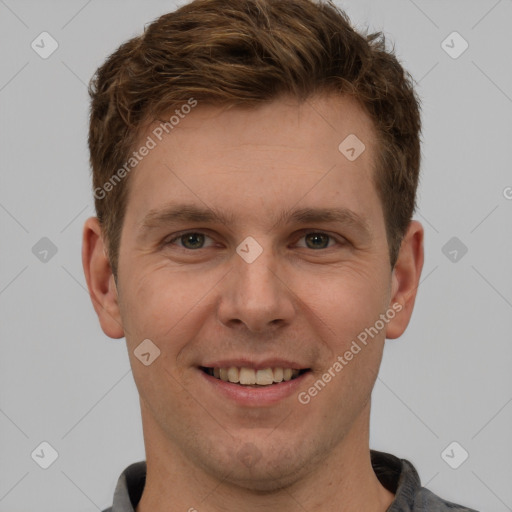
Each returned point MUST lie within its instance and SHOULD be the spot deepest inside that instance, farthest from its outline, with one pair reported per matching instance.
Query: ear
(100, 280)
(405, 279)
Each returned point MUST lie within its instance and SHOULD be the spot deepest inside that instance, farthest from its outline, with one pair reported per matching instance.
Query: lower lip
(256, 397)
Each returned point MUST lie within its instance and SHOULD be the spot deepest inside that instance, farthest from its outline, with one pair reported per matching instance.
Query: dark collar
(396, 475)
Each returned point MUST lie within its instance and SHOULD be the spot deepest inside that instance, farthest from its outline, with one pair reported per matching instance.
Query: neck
(343, 481)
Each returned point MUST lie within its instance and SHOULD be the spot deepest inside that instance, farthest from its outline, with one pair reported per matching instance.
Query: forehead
(284, 152)
(316, 125)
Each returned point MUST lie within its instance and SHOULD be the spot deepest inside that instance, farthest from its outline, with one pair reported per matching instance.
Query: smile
(251, 377)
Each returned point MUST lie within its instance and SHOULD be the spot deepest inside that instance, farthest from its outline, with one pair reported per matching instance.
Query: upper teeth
(250, 376)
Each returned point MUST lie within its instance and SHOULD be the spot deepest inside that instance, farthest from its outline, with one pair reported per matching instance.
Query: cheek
(349, 310)
(348, 301)
(158, 304)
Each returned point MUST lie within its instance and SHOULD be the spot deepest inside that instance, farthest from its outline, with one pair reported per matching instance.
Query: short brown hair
(243, 53)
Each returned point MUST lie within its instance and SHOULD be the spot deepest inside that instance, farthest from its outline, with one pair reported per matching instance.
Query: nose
(257, 296)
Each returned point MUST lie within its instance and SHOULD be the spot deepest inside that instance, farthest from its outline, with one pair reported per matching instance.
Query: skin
(303, 298)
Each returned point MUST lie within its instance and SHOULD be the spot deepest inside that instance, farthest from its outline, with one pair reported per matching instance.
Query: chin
(262, 480)
(261, 470)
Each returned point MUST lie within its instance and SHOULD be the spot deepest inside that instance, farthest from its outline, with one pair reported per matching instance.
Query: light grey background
(64, 382)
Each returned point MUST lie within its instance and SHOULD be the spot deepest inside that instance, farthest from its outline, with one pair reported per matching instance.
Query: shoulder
(129, 488)
(427, 501)
(401, 478)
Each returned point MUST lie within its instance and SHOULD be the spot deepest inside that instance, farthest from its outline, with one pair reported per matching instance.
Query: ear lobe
(100, 280)
(405, 279)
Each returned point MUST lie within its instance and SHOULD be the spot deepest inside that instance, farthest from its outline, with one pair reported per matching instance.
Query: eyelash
(339, 240)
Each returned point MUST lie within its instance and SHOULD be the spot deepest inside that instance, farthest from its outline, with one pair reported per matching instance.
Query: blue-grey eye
(318, 240)
(192, 240)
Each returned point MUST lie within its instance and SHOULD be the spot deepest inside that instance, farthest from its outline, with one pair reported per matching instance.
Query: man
(255, 165)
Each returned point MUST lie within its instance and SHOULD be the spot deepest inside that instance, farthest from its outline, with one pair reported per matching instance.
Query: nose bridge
(260, 275)
(256, 295)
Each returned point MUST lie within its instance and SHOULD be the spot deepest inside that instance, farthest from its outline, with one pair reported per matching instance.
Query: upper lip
(256, 365)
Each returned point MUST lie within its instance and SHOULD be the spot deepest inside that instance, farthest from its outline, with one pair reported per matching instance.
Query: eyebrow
(190, 213)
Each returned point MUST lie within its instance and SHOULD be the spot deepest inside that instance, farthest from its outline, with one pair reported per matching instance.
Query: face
(254, 250)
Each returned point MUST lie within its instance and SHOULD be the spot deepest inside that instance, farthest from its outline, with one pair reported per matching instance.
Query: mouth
(253, 378)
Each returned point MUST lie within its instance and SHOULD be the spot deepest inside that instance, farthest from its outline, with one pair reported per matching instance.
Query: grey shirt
(396, 475)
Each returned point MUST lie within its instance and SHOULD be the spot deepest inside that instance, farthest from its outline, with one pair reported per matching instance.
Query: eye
(195, 240)
(317, 240)
(190, 240)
